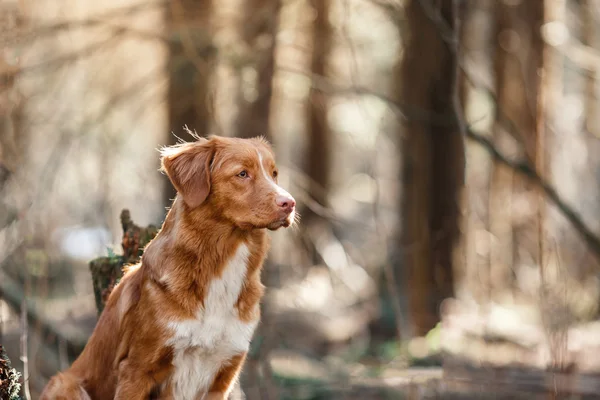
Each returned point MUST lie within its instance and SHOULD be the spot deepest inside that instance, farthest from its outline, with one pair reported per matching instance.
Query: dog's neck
(193, 247)
(201, 230)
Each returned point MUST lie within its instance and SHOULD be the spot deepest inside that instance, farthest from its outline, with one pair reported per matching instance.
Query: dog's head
(237, 178)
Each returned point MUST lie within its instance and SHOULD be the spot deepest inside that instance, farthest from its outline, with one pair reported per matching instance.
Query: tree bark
(190, 67)
(260, 35)
(512, 219)
(318, 152)
(433, 160)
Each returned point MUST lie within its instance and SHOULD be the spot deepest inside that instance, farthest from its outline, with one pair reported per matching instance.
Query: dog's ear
(188, 168)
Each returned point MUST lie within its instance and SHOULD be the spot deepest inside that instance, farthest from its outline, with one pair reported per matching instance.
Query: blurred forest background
(445, 155)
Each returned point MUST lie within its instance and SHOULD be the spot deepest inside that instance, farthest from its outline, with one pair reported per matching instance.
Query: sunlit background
(445, 156)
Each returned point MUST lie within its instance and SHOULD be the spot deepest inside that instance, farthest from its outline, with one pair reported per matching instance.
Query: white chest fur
(203, 344)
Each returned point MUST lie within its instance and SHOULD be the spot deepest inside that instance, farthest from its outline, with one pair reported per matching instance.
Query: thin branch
(24, 348)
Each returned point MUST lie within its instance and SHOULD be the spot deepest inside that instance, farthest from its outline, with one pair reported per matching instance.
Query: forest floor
(351, 372)
(299, 377)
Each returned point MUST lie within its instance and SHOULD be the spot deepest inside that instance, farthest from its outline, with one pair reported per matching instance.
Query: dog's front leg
(135, 383)
(223, 382)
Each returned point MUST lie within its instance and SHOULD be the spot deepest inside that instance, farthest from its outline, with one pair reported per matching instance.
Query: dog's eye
(243, 174)
(275, 173)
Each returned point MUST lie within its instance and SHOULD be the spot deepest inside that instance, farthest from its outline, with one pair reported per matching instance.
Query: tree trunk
(260, 35)
(318, 152)
(433, 161)
(512, 204)
(190, 68)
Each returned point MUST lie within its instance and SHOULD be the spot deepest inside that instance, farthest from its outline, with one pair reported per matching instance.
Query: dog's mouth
(282, 222)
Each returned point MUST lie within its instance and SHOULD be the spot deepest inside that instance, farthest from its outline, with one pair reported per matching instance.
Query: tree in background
(318, 154)
(259, 36)
(433, 160)
(518, 59)
(190, 67)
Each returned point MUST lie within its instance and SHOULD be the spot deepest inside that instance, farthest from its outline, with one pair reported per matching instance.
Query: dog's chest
(203, 344)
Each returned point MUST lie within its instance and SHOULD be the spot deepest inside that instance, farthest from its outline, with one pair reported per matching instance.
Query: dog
(179, 324)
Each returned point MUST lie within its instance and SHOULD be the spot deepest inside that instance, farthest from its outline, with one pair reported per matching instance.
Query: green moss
(108, 271)
(10, 387)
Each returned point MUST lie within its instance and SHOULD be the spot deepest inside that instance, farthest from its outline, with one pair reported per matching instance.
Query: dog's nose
(286, 202)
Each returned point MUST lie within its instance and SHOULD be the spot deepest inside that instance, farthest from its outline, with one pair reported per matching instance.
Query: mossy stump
(107, 271)
(9, 378)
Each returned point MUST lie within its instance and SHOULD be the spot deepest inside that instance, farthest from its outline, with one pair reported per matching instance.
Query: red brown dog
(179, 324)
